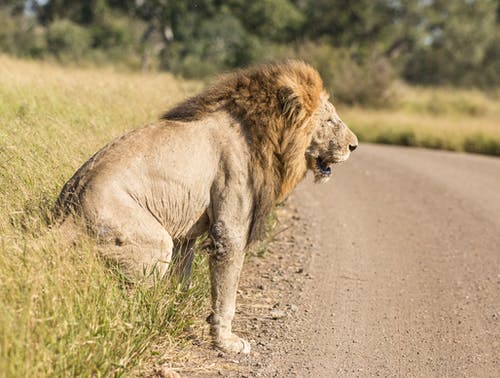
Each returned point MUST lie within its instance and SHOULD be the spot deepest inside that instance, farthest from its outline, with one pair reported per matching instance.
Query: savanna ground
(63, 312)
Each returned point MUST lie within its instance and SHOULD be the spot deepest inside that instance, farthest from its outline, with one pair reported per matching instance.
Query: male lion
(217, 162)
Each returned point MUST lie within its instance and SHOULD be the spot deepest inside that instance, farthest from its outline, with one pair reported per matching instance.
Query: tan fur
(217, 162)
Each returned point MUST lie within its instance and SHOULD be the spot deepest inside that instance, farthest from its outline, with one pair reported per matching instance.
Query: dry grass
(62, 311)
(451, 119)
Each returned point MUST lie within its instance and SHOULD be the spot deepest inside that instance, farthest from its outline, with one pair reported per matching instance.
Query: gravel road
(407, 274)
(392, 270)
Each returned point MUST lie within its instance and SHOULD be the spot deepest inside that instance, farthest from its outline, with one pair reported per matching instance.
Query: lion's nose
(352, 147)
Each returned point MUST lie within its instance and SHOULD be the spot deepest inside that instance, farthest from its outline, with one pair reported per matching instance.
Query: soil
(390, 269)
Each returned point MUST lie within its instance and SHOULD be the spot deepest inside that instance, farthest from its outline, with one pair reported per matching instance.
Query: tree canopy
(423, 41)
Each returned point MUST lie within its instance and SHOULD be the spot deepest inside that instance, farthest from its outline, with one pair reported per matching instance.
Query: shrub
(6, 32)
(480, 143)
(353, 78)
(66, 40)
(275, 20)
(399, 137)
(219, 44)
(21, 36)
(113, 32)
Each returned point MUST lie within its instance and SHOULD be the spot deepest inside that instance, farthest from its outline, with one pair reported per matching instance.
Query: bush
(275, 20)
(479, 143)
(21, 36)
(219, 44)
(112, 32)
(353, 78)
(7, 32)
(65, 39)
(399, 137)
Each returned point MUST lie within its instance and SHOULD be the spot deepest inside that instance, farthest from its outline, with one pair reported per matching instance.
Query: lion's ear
(291, 105)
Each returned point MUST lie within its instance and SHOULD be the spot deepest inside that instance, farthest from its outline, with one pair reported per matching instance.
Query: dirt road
(391, 269)
(407, 270)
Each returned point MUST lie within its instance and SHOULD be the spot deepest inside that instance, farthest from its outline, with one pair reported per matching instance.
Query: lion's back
(167, 168)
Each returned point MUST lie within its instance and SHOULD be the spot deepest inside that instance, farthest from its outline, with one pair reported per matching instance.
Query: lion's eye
(331, 121)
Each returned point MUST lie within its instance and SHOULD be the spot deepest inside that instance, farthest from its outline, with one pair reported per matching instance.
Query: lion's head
(332, 141)
(288, 122)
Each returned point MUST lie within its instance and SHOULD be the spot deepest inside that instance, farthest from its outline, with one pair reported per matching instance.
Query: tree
(361, 23)
(427, 41)
(456, 39)
(275, 20)
(81, 12)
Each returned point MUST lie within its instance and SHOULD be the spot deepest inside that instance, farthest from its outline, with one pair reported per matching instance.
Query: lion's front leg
(225, 267)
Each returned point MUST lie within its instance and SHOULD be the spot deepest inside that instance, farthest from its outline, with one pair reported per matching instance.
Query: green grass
(62, 311)
(449, 119)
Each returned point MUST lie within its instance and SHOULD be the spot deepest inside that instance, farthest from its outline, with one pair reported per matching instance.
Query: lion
(216, 163)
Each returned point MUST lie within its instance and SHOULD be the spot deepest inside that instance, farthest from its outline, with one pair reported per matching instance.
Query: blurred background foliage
(359, 46)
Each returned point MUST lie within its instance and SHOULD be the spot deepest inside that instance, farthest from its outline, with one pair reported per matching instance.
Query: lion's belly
(181, 210)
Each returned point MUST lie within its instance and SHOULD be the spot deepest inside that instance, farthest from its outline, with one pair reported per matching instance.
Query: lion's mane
(274, 103)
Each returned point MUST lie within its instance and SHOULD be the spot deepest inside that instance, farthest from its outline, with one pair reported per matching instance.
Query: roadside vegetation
(432, 117)
(62, 311)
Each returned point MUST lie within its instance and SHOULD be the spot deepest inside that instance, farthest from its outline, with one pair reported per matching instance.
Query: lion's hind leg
(145, 262)
(138, 243)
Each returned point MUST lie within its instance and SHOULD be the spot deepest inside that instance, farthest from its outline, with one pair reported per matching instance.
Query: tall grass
(62, 311)
(450, 119)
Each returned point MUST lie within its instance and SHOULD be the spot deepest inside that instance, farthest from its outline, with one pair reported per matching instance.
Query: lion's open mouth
(324, 168)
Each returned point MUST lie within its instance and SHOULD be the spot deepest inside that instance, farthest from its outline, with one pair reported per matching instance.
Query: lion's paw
(233, 344)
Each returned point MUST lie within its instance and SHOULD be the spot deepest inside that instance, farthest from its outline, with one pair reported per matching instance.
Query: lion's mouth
(324, 168)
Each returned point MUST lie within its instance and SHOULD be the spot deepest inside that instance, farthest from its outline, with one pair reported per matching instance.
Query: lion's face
(332, 141)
